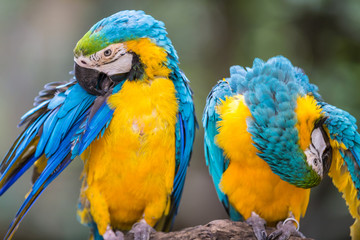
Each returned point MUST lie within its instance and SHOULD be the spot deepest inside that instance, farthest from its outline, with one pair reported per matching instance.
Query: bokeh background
(36, 42)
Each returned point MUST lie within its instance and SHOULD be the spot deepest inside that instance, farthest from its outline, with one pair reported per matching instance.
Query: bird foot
(286, 229)
(258, 226)
(142, 230)
(111, 235)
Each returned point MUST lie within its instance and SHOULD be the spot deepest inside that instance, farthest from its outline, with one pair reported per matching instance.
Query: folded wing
(345, 170)
(184, 135)
(64, 121)
(214, 155)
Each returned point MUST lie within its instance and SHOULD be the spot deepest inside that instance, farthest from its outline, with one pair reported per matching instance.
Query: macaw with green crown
(269, 138)
(129, 114)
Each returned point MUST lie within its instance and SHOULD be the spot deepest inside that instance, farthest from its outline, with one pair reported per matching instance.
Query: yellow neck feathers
(307, 112)
(152, 56)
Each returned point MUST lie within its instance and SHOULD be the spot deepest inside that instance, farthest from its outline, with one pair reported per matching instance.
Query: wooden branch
(218, 229)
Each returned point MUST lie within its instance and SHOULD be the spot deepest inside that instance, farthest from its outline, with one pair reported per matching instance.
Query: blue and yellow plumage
(128, 113)
(269, 138)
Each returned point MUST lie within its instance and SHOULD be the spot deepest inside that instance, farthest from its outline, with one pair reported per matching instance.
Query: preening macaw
(129, 114)
(269, 138)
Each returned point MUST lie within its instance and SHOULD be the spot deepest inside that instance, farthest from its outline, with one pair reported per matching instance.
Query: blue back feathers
(272, 90)
(214, 156)
(342, 128)
(184, 137)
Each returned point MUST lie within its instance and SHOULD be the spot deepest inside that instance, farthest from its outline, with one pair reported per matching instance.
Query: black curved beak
(95, 82)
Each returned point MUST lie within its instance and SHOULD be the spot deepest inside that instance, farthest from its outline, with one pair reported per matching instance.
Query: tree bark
(218, 229)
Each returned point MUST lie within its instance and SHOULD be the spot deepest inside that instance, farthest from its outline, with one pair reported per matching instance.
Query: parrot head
(127, 45)
(319, 152)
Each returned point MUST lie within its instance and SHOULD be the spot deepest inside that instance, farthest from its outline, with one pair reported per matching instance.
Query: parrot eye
(107, 52)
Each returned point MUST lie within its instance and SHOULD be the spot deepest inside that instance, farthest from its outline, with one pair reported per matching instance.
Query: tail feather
(342, 179)
(48, 175)
(16, 165)
(22, 212)
(355, 230)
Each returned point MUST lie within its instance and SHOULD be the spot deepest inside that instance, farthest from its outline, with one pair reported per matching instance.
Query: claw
(286, 229)
(111, 235)
(258, 225)
(141, 230)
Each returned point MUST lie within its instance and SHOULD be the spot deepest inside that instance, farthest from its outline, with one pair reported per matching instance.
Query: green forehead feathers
(121, 27)
(89, 44)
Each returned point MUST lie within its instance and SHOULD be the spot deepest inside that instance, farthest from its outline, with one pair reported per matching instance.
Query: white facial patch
(111, 60)
(318, 140)
(314, 153)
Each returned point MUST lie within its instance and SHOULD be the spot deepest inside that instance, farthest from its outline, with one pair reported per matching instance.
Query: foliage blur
(36, 42)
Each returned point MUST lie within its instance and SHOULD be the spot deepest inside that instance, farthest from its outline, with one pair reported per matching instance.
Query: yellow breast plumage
(129, 172)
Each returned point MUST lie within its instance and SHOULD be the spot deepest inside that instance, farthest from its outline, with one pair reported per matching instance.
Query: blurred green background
(36, 42)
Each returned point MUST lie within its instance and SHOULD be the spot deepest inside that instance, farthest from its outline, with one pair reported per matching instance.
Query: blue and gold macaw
(129, 114)
(269, 138)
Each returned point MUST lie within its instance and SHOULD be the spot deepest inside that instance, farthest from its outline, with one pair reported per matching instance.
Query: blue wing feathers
(12, 168)
(56, 123)
(353, 167)
(49, 123)
(77, 102)
(356, 152)
(94, 127)
(17, 174)
(215, 158)
(32, 111)
(181, 164)
(342, 127)
(184, 138)
(57, 162)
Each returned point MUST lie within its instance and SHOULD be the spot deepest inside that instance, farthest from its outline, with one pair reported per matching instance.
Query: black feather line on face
(137, 68)
(320, 122)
